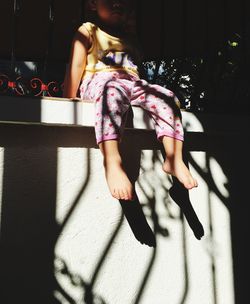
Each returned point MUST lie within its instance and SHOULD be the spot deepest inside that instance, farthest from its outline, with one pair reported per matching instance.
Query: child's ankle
(174, 159)
(112, 160)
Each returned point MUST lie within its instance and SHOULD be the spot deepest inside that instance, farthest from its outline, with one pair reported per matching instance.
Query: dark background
(199, 49)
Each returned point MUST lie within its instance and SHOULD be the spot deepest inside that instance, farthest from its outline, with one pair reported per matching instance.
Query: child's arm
(77, 62)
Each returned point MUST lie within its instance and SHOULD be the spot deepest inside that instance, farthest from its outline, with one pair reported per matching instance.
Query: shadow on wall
(29, 231)
(231, 152)
(28, 226)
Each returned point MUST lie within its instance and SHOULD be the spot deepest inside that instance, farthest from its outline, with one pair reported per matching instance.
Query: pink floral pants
(115, 92)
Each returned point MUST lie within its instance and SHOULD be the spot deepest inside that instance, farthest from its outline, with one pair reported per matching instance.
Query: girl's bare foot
(118, 182)
(178, 169)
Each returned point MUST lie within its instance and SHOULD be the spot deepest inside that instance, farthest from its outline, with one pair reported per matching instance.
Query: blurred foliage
(217, 82)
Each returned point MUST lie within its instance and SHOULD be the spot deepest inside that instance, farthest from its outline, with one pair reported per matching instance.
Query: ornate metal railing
(44, 79)
(35, 87)
(27, 81)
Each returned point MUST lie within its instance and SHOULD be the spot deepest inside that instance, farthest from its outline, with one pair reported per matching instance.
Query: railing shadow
(224, 148)
(29, 231)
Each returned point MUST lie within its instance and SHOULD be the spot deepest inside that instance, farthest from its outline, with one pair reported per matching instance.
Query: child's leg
(161, 105)
(174, 163)
(110, 94)
(118, 182)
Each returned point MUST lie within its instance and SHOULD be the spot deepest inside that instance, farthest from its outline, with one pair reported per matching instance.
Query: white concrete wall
(95, 249)
(84, 239)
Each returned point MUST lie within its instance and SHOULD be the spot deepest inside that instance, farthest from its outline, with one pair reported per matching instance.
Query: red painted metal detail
(30, 87)
(11, 84)
(44, 87)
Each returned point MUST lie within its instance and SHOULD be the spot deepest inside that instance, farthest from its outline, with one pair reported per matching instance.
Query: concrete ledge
(67, 112)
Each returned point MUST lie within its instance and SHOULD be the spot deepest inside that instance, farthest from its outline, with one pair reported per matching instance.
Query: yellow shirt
(108, 53)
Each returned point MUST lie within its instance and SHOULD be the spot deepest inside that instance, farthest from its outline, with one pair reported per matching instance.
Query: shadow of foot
(181, 197)
(137, 222)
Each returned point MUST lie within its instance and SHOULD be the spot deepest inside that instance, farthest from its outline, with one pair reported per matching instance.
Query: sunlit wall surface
(64, 239)
(100, 256)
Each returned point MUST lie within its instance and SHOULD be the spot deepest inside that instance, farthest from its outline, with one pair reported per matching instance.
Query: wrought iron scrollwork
(29, 87)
